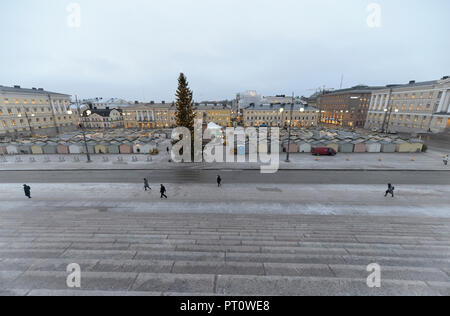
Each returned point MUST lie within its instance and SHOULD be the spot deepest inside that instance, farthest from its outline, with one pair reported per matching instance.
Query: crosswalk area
(221, 254)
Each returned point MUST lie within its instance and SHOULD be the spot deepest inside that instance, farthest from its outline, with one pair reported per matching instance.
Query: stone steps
(52, 283)
(216, 254)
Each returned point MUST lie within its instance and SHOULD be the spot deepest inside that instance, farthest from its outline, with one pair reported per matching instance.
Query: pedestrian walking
(163, 192)
(390, 190)
(27, 190)
(219, 181)
(146, 185)
(446, 160)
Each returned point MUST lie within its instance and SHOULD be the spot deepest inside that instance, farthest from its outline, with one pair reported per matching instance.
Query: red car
(319, 151)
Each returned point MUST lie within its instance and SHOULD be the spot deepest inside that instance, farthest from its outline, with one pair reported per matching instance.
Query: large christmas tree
(185, 113)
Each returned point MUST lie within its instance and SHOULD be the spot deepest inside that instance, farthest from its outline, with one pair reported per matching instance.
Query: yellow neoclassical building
(162, 115)
(416, 107)
(272, 115)
(25, 112)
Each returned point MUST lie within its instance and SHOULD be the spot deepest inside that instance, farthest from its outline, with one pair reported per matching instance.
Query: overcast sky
(135, 49)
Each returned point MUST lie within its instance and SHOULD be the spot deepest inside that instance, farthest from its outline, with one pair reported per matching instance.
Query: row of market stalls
(302, 141)
(93, 147)
(131, 143)
(349, 142)
(345, 146)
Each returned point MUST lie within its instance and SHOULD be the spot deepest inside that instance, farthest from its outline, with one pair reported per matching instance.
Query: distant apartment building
(100, 103)
(346, 108)
(25, 112)
(252, 98)
(163, 115)
(94, 118)
(214, 113)
(149, 115)
(278, 99)
(272, 115)
(416, 107)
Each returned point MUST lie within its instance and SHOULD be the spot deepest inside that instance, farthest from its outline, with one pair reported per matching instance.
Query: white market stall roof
(213, 125)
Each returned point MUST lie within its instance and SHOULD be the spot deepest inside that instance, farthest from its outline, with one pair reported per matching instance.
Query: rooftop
(19, 89)
(277, 107)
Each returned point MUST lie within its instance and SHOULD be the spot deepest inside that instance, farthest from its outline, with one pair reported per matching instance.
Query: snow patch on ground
(232, 199)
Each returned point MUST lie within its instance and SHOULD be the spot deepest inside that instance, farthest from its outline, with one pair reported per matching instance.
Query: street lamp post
(83, 130)
(280, 117)
(390, 117)
(88, 155)
(289, 129)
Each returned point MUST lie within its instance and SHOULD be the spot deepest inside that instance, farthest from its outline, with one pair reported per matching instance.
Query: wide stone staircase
(220, 254)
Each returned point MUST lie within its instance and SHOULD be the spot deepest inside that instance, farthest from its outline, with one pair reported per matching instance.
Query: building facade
(102, 119)
(149, 115)
(417, 107)
(100, 103)
(219, 114)
(32, 112)
(163, 115)
(272, 115)
(345, 108)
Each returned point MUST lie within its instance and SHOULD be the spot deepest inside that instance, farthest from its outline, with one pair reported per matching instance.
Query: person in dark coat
(27, 190)
(163, 192)
(219, 181)
(146, 185)
(446, 160)
(390, 190)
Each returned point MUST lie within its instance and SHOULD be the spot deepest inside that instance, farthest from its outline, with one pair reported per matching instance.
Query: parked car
(321, 151)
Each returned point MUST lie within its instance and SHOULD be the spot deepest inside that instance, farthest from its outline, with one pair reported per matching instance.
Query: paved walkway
(432, 160)
(221, 254)
(410, 200)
